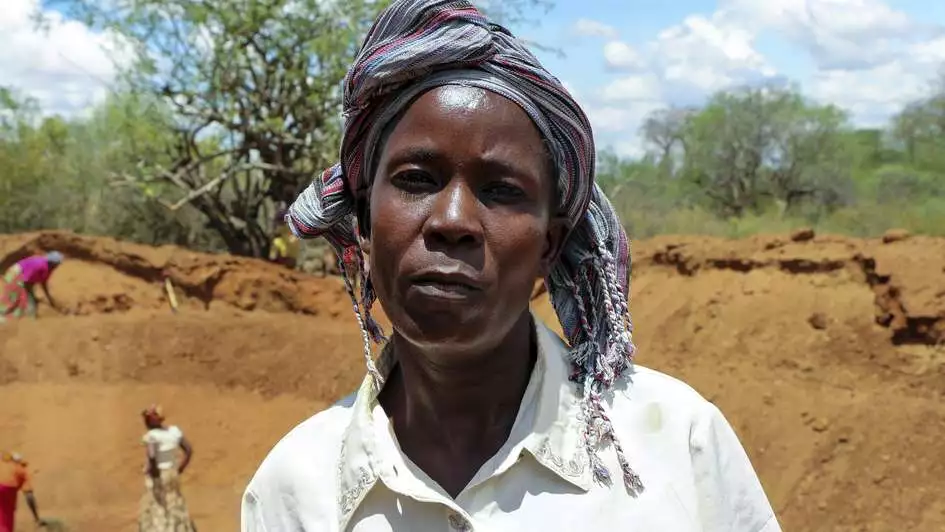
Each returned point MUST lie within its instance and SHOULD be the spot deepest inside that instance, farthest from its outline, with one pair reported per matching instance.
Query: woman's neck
(457, 415)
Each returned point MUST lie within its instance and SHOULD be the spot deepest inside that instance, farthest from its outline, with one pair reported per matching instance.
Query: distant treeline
(766, 159)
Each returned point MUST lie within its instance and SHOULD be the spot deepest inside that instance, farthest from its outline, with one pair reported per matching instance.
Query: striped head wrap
(416, 45)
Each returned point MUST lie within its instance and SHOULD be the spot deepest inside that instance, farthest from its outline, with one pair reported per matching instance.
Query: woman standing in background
(163, 508)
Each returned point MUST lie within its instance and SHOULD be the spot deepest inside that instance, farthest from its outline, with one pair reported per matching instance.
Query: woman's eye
(414, 181)
(504, 192)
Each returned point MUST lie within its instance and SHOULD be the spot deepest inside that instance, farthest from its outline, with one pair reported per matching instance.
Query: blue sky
(623, 58)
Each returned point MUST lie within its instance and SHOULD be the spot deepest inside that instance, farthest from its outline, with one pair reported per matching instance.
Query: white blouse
(342, 470)
(166, 442)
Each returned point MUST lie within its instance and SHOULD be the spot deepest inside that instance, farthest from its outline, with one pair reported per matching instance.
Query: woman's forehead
(467, 121)
(460, 98)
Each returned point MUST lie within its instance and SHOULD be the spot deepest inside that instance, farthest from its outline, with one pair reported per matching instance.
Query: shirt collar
(553, 439)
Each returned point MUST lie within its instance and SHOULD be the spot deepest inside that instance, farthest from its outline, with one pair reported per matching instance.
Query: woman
(15, 478)
(16, 292)
(284, 249)
(470, 172)
(163, 508)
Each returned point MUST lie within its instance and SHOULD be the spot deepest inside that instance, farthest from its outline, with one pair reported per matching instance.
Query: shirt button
(457, 522)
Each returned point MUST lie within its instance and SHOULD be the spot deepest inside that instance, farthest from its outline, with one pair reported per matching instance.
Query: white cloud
(867, 57)
(617, 125)
(708, 54)
(898, 72)
(620, 56)
(931, 51)
(592, 28)
(837, 33)
(632, 148)
(609, 119)
(682, 64)
(621, 118)
(645, 87)
(873, 95)
(67, 67)
(848, 18)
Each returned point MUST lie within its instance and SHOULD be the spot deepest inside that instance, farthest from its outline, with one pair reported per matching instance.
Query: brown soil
(827, 355)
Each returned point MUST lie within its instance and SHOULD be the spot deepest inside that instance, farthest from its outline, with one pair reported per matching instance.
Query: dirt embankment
(825, 353)
(104, 276)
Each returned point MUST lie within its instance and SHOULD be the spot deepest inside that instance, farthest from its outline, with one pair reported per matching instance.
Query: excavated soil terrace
(827, 355)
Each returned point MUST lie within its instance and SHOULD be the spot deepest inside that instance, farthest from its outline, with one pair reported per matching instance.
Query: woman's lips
(445, 291)
(446, 285)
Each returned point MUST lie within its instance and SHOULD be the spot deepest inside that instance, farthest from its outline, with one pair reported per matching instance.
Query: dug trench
(825, 353)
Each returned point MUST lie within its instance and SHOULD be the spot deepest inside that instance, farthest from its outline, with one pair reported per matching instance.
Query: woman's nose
(454, 218)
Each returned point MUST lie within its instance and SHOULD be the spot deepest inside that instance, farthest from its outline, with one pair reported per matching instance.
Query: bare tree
(253, 92)
(664, 131)
(920, 128)
(253, 88)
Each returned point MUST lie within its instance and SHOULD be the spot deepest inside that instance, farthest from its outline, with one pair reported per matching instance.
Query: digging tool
(171, 297)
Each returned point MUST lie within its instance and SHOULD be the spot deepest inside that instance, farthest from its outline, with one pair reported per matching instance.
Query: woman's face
(150, 422)
(461, 219)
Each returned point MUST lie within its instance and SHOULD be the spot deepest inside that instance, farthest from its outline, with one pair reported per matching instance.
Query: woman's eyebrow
(507, 168)
(415, 154)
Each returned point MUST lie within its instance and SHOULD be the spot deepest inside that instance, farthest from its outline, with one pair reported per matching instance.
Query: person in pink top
(16, 288)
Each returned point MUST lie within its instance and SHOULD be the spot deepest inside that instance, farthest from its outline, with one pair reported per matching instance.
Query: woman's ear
(554, 243)
(365, 244)
(363, 223)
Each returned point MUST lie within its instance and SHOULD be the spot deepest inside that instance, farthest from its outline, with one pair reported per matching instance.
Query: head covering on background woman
(54, 257)
(153, 415)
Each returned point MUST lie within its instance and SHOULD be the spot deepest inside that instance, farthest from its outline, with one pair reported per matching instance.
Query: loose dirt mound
(826, 354)
(105, 276)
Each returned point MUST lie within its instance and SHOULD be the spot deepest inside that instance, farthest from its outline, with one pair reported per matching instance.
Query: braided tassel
(364, 324)
(631, 479)
(602, 351)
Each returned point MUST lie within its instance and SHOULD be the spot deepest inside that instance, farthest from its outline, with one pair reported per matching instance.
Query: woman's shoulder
(312, 443)
(691, 439)
(163, 433)
(325, 425)
(655, 384)
(300, 469)
(653, 391)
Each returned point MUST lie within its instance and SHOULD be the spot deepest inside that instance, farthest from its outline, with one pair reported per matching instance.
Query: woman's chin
(442, 327)
(454, 329)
